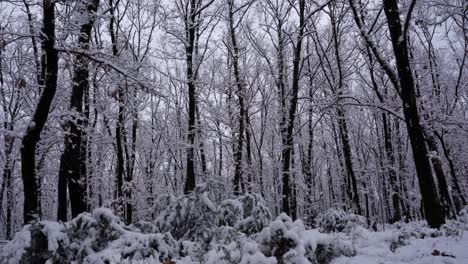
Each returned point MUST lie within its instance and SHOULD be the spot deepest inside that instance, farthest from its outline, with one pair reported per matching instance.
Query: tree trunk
(131, 168)
(342, 125)
(73, 161)
(33, 131)
(120, 118)
(391, 169)
(459, 197)
(287, 148)
(190, 27)
(8, 167)
(442, 185)
(432, 207)
(238, 159)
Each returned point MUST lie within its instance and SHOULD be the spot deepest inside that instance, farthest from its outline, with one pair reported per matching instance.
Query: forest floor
(194, 230)
(427, 250)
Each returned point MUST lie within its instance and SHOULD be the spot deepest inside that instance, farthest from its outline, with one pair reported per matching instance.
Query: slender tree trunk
(248, 150)
(432, 207)
(120, 116)
(346, 186)
(391, 169)
(190, 28)
(238, 159)
(131, 168)
(8, 167)
(445, 199)
(8, 179)
(342, 124)
(344, 136)
(201, 143)
(459, 196)
(33, 131)
(73, 161)
(287, 148)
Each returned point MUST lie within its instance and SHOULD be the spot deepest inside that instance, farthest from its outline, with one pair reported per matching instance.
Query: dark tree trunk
(391, 169)
(73, 161)
(442, 185)
(459, 197)
(120, 116)
(131, 168)
(202, 145)
(389, 150)
(248, 150)
(402, 168)
(287, 148)
(39, 118)
(346, 186)
(342, 124)
(238, 155)
(120, 152)
(309, 177)
(432, 207)
(8, 166)
(190, 29)
(346, 145)
(8, 179)
(293, 198)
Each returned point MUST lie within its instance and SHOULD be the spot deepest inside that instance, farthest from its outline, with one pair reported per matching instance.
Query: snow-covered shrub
(337, 220)
(146, 227)
(290, 242)
(13, 251)
(231, 211)
(462, 217)
(100, 237)
(162, 202)
(418, 229)
(310, 218)
(243, 251)
(279, 241)
(190, 217)
(247, 213)
(413, 230)
(36, 243)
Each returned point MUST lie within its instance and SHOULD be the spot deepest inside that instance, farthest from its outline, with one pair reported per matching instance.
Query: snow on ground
(193, 230)
(375, 248)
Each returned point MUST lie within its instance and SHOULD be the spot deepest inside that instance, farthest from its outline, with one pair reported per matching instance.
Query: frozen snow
(374, 247)
(206, 235)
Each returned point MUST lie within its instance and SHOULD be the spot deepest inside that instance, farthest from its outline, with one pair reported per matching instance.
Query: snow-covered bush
(337, 220)
(247, 213)
(290, 242)
(462, 217)
(100, 237)
(230, 246)
(413, 230)
(190, 217)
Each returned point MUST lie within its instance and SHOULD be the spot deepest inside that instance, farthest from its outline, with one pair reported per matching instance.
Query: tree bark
(342, 124)
(432, 207)
(459, 197)
(73, 161)
(238, 159)
(287, 148)
(190, 28)
(445, 199)
(120, 116)
(33, 131)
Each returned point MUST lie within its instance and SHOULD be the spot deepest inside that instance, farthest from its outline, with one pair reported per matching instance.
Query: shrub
(337, 220)
(99, 237)
(248, 214)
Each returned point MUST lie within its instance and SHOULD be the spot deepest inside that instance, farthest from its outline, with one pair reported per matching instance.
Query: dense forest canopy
(360, 105)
